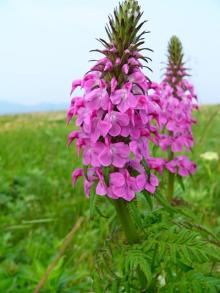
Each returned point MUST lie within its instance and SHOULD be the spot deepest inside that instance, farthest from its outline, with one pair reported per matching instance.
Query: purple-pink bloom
(156, 164)
(122, 185)
(101, 188)
(139, 78)
(146, 182)
(181, 165)
(123, 98)
(118, 116)
(90, 81)
(116, 121)
(73, 135)
(91, 153)
(115, 154)
(76, 174)
(75, 84)
(140, 148)
(125, 68)
(98, 98)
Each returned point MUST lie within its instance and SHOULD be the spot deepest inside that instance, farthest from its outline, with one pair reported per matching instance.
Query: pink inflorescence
(178, 100)
(116, 121)
(118, 118)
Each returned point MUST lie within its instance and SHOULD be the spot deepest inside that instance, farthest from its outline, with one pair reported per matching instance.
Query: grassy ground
(39, 206)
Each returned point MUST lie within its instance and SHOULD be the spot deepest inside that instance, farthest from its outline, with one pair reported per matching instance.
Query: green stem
(125, 219)
(171, 179)
(130, 231)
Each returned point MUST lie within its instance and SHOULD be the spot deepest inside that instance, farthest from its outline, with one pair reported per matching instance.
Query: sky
(44, 44)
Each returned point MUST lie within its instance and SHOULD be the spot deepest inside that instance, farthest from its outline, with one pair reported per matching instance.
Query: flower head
(121, 112)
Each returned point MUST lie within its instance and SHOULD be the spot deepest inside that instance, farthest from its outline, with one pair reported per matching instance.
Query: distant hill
(13, 108)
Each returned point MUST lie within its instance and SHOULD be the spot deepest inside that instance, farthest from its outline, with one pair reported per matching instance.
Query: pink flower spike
(122, 117)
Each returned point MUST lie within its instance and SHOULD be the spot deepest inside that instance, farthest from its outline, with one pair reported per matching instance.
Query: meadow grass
(39, 205)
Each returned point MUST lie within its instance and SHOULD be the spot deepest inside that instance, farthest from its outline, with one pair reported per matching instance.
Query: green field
(39, 206)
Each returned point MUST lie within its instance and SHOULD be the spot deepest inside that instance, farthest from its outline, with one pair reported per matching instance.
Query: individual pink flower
(84, 117)
(123, 98)
(101, 188)
(75, 84)
(76, 174)
(98, 128)
(123, 185)
(147, 182)
(181, 165)
(73, 135)
(156, 164)
(91, 153)
(115, 154)
(76, 104)
(140, 148)
(90, 81)
(117, 120)
(139, 78)
(98, 98)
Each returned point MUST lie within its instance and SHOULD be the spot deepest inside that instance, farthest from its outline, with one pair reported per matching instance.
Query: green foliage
(171, 257)
(179, 248)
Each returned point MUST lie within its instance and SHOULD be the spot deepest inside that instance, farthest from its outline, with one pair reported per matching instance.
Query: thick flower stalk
(118, 113)
(178, 100)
